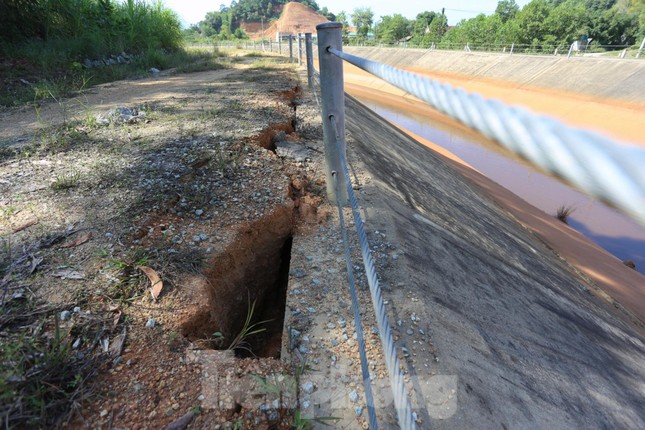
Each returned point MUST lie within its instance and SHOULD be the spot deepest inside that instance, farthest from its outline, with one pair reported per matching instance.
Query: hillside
(295, 18)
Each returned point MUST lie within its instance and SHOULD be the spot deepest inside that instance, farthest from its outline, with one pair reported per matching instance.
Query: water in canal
(615, 232)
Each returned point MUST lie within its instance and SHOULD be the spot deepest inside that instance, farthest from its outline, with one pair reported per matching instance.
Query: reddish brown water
(615, 232)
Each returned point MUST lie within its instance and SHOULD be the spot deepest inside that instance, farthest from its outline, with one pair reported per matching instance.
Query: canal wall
(601, 77)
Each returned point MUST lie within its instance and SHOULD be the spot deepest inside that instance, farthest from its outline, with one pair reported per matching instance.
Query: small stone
(77, 309)
(175, 406)
(303, 349)
(201, 397)
(199, 212)
(409, 331)
(151, 323)
(298, 273)
(65, 315)
(358, 410)
(138, 387)
(196, 238)
(311, 310)
(154, 70)
(203, 236)
(76, 343)
(331, 326)
(306, 404)
(342, 323)
(104, 413)
(307, 387)
(353, 396)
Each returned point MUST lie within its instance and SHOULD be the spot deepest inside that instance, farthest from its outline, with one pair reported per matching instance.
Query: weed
(130, 283)
(248, 329)
(43, 380)
(66, 181)
(563, 213)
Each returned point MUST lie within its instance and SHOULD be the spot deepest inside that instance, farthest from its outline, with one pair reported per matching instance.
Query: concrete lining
(599, 77)
(526, 342)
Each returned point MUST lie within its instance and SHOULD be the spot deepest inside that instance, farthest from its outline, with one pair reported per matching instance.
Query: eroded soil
(94, 217)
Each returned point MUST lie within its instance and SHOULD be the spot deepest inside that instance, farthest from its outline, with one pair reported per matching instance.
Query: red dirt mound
(295, 18)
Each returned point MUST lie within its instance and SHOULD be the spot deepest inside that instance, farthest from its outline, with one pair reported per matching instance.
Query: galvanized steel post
(332, 107)
(310, 60)
(300, 49)
(641, 48)
(291, 48)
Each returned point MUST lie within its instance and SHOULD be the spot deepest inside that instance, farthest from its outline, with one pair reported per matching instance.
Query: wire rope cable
(399, 391)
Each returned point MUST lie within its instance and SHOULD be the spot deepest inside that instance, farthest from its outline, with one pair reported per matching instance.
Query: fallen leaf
(181, 423)
(68, 274)
(105, 344)
(116, 319)
(35, 262)
(117, 343)
(78, 241)
(25, 226)
(156, 284)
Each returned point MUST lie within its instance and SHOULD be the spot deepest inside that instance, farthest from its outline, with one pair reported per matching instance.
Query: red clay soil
(612, 117)
(295, 18)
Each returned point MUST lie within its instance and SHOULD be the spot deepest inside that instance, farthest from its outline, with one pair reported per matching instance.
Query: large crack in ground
(247, 283)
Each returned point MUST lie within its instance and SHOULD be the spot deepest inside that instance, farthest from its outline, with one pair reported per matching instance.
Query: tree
(327, 14)
(507, 9)
(565, 24)
(342, 17)
(436, 30)
(530, 20)
(362, 18)
(392, 28)
(422, 23)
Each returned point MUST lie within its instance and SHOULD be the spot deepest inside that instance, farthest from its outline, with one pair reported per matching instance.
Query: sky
(193, 11)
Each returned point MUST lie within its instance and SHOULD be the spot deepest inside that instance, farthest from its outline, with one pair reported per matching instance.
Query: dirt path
(24, 121)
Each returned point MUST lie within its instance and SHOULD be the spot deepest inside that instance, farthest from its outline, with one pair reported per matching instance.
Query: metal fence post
(310, 60)
(332, 107)
(291, 48)
(300, 49)
(638, 54)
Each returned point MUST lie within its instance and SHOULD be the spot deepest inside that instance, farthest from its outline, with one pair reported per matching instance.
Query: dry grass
(563, 213)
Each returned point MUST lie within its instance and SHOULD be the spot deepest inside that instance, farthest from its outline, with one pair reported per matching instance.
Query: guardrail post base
(333, 108)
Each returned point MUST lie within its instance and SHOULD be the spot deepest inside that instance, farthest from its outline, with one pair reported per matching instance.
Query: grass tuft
(563, 213)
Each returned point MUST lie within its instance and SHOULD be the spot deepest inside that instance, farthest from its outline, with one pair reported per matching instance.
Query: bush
(71, 30)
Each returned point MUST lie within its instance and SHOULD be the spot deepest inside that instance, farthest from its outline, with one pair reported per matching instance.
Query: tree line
(224, 24)
(549, 23)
